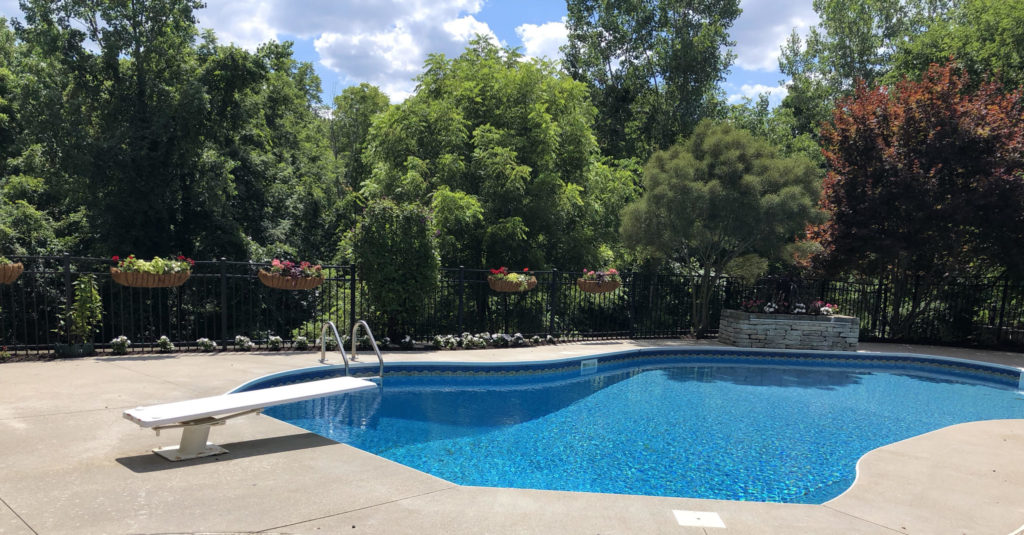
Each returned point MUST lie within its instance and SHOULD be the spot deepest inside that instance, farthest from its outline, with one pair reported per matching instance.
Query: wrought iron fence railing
(224, 298)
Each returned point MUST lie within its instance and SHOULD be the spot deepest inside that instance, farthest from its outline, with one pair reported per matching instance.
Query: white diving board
(195, 416)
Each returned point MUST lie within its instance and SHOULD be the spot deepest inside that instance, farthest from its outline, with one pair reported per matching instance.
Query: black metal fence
(223, 299)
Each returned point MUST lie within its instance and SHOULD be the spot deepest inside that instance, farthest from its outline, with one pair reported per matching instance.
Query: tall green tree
(719, 203)
(652, 68)
(986, 37)
(502, 149)
(854, 40)
(776, 125)
(354, 110)
(157, 139)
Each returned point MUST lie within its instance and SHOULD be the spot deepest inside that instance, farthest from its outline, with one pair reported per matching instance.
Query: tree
(652, 68)
(924, 177)
(986, 37)
(354, 109)
(509, 143)
(854, 40)
(778, 126)
(925, 182)
(395, 251)
(162, 142)
(718, 201)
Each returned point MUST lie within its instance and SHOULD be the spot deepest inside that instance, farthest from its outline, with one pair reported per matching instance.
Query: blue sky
(384, 42)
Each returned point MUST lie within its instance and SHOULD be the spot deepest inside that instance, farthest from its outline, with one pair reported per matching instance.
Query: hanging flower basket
(281, 282)
(598, 287)
(10, 272)
(510, 286)
(138, 279)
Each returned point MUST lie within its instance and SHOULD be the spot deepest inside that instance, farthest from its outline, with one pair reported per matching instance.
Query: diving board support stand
(195, 417)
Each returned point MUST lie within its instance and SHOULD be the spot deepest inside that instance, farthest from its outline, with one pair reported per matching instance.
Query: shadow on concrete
(150, 462)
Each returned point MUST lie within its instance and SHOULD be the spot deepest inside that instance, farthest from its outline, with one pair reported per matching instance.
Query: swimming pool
(719, 424)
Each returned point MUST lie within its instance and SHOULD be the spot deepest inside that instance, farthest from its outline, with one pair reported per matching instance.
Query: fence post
(631, 295)
(67, 295)
(223, 303)
(1002, 311)
(352, 298)
(552, 301)
(462, 289)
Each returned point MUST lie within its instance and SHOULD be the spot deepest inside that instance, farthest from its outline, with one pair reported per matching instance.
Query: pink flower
(276, 263)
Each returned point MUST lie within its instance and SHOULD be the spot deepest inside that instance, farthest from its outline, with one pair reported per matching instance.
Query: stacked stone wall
(788, 331)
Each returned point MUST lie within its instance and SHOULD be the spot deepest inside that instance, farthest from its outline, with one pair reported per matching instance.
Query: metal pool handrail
(337, 338)
(373, 342)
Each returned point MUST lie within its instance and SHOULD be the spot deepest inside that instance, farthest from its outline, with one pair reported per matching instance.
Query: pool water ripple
(764, 433)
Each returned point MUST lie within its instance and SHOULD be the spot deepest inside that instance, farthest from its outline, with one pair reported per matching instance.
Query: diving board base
(193, 445)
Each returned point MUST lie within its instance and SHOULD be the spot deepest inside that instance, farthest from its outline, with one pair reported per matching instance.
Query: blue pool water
(666, 426)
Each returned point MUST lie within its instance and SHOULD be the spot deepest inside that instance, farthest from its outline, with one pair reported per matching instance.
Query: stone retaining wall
(788, 331)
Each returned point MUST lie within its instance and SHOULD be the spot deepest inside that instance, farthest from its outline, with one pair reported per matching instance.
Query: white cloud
(384, 42)
(244, 23)
(543, 40)
(763, 28)
(751, 91)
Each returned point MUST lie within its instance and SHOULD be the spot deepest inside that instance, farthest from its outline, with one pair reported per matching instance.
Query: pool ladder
(341, 346)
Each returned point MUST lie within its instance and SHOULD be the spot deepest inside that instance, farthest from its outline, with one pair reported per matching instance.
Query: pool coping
(118, 486)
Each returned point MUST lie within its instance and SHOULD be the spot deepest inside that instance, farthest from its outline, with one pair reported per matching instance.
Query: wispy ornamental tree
(502, 149)
(925, 183)
(721, 200)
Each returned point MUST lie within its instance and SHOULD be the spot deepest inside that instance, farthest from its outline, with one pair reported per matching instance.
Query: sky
(384, 42)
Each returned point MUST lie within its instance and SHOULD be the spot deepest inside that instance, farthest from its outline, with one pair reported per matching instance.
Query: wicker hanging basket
(507, 286)
(597, 287)
(274, 280)
(138, 279)
(10, 272)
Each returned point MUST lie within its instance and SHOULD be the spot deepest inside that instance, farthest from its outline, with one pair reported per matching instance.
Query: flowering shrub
(483, 340)
(823, 308)
(752, 305)
(503, 274)
(157, 265)
(243, 343)
(164, 344)
(602, 276)
(407, 342)
(446, 342)
(798, 308)
(274, 343)
(120, 345)
(206, 344)
(293, 270)
(770, 308)
(301, 343)
(4, 261)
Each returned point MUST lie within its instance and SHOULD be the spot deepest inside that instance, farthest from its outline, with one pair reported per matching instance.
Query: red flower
(116, 258)
(525, 270)
(181, 257)
(494, 271)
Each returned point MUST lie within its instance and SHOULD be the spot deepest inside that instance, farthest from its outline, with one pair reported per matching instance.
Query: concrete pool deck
(69, 463)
